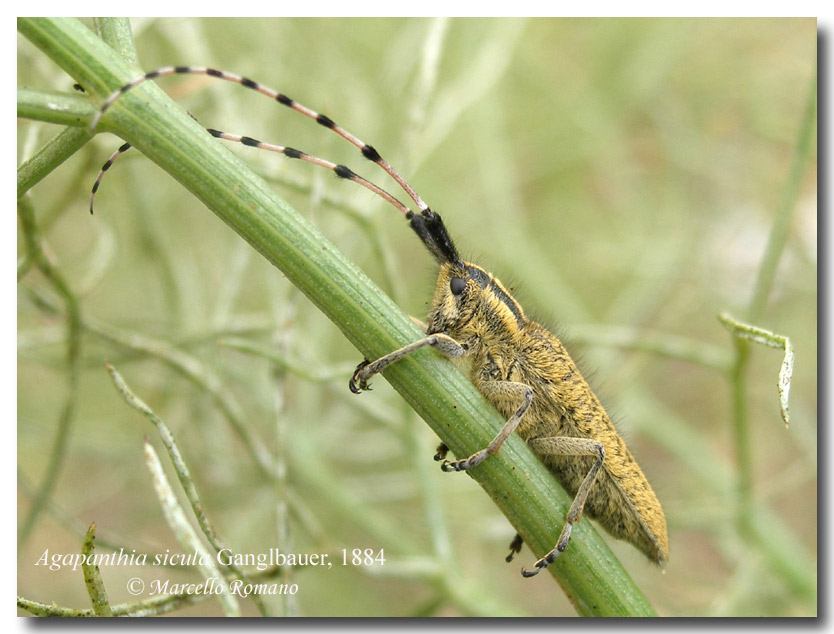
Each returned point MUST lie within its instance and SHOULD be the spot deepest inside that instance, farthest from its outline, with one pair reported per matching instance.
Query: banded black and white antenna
(426, 224)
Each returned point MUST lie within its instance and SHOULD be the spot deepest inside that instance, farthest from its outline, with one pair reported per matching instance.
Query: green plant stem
(57, 150)
(92, 577)
(201, 376)
(185, 533)
(764, 283)
(779, 233)
(118, 34)
(36, 255)
(748, 332)
(155, 606)
(660, 344)
(53, 107)
(183, 473)
(521, 486)
(152, 607)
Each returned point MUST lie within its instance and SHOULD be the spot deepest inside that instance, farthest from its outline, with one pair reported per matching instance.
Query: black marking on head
(430, 229)
(485, 281)
(440, 236)
(418, 224)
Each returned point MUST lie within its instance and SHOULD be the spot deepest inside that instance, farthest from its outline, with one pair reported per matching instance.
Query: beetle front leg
(366, 369)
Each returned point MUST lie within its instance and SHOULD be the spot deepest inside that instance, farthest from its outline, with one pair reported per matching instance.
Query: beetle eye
(456, 285)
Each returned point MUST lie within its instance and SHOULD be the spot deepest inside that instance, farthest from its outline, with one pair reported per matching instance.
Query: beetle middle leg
(496, 391)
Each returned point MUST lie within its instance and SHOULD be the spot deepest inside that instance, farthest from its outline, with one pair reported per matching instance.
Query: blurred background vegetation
(622, 176)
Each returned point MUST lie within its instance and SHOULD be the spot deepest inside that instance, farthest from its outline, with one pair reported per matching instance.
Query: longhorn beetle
(520, 367)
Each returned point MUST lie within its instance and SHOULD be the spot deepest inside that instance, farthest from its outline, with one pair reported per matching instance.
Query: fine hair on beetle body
(519, 366)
